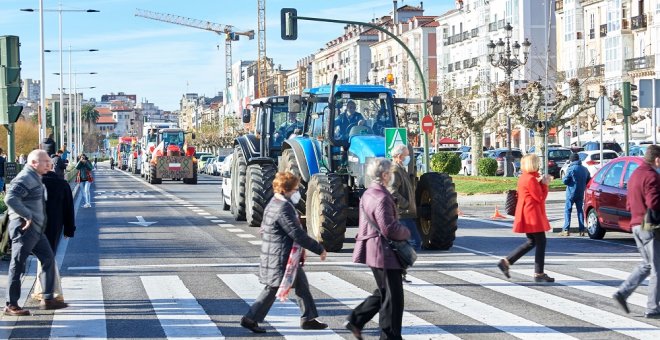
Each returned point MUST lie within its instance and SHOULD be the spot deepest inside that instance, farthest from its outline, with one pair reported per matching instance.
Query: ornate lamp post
(504, 56)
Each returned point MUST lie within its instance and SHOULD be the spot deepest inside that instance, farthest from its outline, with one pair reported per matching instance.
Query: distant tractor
(123, 151)
(171, 158)
(333, 153)
(254, 162)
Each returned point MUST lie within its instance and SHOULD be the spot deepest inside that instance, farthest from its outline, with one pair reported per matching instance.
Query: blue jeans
(649, 249)
(415, 239)
(568, 210)
(85, 188)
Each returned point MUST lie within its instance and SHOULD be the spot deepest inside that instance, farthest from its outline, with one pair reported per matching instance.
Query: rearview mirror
(294, 103)
(246, 116)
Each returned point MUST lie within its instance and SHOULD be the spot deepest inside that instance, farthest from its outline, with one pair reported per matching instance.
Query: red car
(606, 195)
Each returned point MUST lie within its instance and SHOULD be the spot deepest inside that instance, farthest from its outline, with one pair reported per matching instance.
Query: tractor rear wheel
(238, 168)
(326, 210)
(192, 180)
(152, 175)
(437, 210)
(258, 192)
(135, 167)
(288, 163)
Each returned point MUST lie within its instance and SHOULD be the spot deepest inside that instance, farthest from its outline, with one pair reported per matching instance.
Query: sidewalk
(499, 199)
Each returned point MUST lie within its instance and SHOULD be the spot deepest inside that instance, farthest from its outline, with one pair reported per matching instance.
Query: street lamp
(41, 10)
(61, 88)
(507, 60)
(71, 139)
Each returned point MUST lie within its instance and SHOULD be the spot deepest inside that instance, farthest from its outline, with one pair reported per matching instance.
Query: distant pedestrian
(643, 195)
(59, 164)
(3, 160)
(404, 195)
(65, 153)
(377, 207)
(576, 180)
(25, 200)
(281, 232)
(49, 145)
(85, 178)
(112, 163)
(21, 159)
(95, 161)
(530, 218)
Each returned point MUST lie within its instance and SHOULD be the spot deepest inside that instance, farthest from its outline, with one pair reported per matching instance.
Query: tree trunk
(476, 150)
(539, 149)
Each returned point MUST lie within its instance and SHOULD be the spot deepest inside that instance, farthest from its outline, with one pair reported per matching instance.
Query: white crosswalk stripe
(615, 273)
(351, 296)
(85, 316)
(614, 322)
(283, 316)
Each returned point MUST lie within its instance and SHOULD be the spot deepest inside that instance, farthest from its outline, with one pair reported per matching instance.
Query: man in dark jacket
(59, 164)
(576, 180)
(49, 145)
(643, 195)
(59, 209)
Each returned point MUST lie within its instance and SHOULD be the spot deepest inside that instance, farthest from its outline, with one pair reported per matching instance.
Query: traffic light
(436, 105)
(628, 98)
(289, 23)
(10, 79)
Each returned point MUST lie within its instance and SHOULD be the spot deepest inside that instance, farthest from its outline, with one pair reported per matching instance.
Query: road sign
(394, 137)
(602, 108)
(427, 124)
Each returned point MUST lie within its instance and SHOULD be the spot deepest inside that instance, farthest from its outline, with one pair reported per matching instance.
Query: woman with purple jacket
(377, 206)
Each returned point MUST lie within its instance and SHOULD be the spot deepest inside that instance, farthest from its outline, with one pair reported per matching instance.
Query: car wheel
(594, 229)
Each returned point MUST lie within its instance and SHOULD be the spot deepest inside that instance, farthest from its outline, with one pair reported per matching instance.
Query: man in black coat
(59, 209)
(59, 164)
(49, 145)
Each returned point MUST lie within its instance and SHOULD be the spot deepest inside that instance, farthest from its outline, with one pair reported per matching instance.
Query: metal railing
(592, 33)
(639, 22)
(559, 5)
(603, 30)
(641, 63)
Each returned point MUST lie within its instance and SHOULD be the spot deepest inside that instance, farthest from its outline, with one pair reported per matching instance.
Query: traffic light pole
(410, 54)
(11, 143)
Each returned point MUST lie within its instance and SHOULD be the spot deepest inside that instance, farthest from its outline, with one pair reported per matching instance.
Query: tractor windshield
(285, 124)
(362, 114)
(152, 136)
(175, 138)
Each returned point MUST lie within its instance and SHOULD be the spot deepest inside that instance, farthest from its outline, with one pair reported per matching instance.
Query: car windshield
(559, 154)
(362, 113)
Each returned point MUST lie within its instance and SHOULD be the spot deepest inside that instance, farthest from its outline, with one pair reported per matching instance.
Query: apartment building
(607, 42)
(463, 64)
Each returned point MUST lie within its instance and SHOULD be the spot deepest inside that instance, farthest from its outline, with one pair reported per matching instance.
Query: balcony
(466, 63)
(559, 5)
(603, 30)
(466, 35)
(450, 68)
(639, 22)
(591, 71)
(475, 33)
(641, 63)
(492, 27)
(592, 33)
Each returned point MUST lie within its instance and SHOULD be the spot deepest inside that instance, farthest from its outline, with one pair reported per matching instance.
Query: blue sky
(159, 61)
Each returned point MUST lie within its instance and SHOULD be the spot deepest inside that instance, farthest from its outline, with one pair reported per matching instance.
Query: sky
(159, 61)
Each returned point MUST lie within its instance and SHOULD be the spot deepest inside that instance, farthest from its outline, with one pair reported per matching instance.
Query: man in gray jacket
(26, 201)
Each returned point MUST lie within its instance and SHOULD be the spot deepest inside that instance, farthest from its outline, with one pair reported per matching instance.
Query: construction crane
(262, 61)
(230, 32)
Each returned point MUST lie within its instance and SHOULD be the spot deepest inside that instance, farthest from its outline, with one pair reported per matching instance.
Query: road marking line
(598, 317)
(283, 316)
(85, 316)
(586, 286)
(210, 217)
(177, 309)
(223, 225)
(482, 312)
(350, 295)
(245, 235)
(615, 273)
(256, 243)
(218, 221)
(235, 230)
(203, 213)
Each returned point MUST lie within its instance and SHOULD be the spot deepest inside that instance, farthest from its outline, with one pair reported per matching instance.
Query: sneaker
(543, 277)
(313, 324)
(357, 332)
(622, 302)
(504, 267)
(652, 315)
(582, 233)
(52, 304)
(12, 310)
(86, 205)
(404, 279)
(251, 325)
(565, 233)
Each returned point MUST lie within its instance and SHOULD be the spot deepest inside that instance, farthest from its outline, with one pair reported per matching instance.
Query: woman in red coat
(531, 218)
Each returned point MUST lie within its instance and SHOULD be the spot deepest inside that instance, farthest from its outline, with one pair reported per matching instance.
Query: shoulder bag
(403, 250)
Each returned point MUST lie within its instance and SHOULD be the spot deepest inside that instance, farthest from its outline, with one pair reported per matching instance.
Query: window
(613, 175)
(632, 166)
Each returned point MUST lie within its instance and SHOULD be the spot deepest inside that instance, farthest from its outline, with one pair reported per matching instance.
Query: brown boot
(12, 310)
(52, 304)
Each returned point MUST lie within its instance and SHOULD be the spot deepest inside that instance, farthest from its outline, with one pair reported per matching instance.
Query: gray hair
(34, 155)
(398, 149)
(376, 168)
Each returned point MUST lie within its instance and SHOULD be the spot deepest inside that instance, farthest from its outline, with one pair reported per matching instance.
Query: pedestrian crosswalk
(482, 298)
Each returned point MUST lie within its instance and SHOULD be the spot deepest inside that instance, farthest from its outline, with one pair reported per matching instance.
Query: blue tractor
(254, 163)
(344, 131)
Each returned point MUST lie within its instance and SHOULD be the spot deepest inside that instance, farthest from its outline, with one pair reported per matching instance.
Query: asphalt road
(164, 261)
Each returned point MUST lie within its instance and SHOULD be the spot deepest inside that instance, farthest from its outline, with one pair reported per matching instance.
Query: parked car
(591, 159)
(557, 157)
(606, 196)
(213, 168)
(532, 148)
(201, 163)
(595, 146)
(225, 188)
(500, 154)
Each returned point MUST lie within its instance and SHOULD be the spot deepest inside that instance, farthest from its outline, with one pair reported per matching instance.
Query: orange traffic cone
(497, 215)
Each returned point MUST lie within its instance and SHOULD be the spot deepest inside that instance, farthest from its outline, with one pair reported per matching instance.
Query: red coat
(530, 210)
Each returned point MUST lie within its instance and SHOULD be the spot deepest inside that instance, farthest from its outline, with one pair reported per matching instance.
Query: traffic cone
(497, 215)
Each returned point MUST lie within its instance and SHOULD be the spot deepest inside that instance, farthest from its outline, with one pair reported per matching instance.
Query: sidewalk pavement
(499, 199)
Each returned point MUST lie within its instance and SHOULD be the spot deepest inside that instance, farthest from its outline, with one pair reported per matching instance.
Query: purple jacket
(377, 203)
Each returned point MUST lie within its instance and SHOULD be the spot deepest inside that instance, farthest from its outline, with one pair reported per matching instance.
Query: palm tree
(89, 115)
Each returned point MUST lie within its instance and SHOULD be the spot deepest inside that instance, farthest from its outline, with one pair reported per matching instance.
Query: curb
(486, 203)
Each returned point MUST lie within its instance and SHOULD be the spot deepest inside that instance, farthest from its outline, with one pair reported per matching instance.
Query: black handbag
(403, 250)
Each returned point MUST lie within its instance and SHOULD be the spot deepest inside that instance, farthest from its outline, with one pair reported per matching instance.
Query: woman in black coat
(59, 209)
(280, 229)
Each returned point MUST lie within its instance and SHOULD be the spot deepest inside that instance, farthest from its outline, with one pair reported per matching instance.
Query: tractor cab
(274, 118)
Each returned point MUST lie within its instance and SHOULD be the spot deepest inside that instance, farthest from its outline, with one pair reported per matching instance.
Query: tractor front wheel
(437, 210)
(288, 163)
(258, 192)
(238, 169)
(326, 210)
